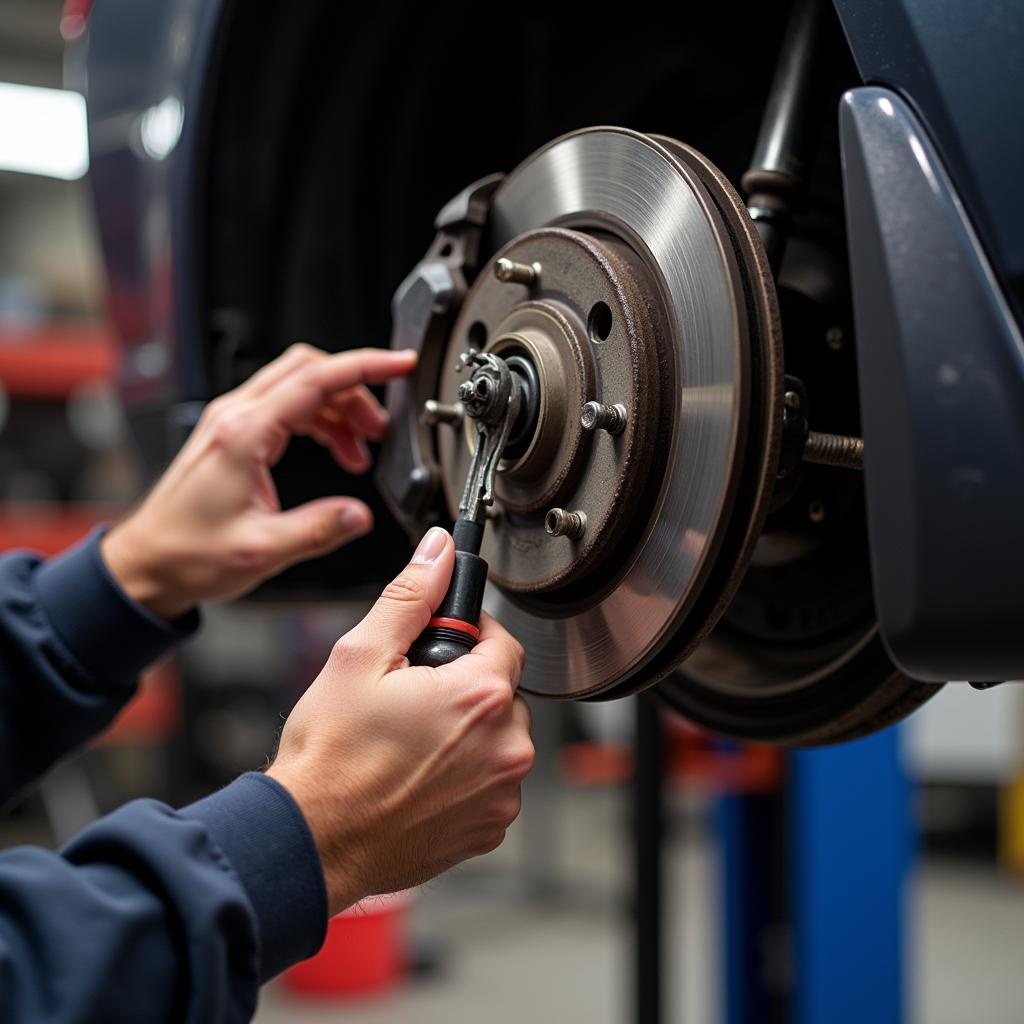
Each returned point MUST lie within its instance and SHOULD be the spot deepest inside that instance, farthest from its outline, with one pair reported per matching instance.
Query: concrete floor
(968, 952)
(513, 954)
(510, 957)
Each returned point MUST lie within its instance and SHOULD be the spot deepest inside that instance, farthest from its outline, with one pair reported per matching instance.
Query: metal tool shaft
(491, 399)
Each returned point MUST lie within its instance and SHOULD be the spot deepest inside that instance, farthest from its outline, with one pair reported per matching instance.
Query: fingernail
(431, 546)
(354, 519)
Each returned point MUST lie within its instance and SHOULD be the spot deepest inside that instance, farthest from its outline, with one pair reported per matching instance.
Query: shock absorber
(788, 128)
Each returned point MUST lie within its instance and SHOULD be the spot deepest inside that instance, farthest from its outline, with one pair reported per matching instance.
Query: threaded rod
(834, 450)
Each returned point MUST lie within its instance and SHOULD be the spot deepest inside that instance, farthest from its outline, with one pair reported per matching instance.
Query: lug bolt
(559, 523)
(791, 400)
(438, 412)
(596, 416)
(510, 272)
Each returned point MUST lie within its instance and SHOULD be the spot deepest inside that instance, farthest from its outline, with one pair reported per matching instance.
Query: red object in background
(48, 529)
(51, 362)
(153, 715)
(365, 952)
(74, 17)
(589, 763)
(718, 766)
(692, 757)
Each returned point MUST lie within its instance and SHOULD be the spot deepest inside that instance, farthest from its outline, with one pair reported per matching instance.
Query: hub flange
(585, 328)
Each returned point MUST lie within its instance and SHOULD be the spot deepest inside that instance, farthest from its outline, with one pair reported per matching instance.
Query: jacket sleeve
(159, 915)
(72, 644)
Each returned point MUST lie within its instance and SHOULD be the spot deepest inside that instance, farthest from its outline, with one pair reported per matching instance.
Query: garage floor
(510, 959)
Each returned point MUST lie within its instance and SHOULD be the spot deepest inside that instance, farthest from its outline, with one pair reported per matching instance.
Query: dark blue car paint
(960, 66)
(942, 405)
(139, 54)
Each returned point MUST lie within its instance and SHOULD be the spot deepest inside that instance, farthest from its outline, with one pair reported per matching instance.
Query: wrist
(140, 572)
(338, 855)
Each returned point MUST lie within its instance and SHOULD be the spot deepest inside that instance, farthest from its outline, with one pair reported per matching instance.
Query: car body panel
(941, 363)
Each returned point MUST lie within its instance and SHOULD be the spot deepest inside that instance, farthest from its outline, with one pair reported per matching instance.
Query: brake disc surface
(642, 302)
(641, 286)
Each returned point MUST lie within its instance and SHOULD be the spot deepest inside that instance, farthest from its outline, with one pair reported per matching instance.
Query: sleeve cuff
(112, 636)
(262, 832)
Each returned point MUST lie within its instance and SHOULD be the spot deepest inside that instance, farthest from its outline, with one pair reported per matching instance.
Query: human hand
(212, 527)
(403, 772)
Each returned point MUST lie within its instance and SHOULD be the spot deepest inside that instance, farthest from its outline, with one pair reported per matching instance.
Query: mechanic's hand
(403, 772)
(212, 526)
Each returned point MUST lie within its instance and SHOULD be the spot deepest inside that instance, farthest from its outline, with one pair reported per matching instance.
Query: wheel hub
(582, 330)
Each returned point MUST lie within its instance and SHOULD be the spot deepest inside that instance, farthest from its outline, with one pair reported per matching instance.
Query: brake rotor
(639, 534)
(653, 296)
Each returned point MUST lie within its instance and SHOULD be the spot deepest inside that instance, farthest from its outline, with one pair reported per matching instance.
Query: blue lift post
(814, 890)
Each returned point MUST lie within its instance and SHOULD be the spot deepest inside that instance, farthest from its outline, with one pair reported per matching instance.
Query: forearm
(72, 644)
(154, 914)
(75, 632)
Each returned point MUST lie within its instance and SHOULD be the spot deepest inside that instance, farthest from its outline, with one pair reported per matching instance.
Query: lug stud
(510, 272)
(610, 418)
(560, 523)
(438, 412)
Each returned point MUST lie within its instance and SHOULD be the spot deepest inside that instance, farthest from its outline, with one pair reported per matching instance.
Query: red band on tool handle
(456, 624)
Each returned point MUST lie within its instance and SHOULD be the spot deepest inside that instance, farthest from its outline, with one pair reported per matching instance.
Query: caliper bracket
(424, 308)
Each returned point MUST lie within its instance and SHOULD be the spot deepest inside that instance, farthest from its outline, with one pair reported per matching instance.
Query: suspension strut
(788, 129)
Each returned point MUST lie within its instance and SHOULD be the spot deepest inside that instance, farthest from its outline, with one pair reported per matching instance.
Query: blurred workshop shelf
(52, 361)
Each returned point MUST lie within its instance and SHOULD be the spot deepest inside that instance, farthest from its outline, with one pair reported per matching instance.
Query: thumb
(404, 609)
(318, 527)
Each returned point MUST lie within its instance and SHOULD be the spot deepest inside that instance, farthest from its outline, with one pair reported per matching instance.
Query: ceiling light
(43, 131)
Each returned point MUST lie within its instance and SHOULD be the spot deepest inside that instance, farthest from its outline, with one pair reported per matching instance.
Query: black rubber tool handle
(455, 627)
